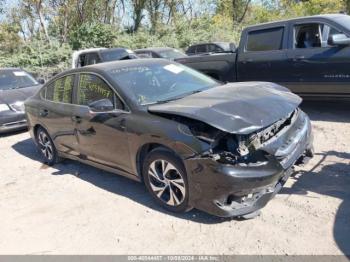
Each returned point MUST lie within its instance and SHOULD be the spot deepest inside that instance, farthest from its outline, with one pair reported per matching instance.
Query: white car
(92, 56)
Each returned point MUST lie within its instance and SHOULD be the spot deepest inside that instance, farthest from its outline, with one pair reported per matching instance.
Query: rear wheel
(46, 147)
(165, 178)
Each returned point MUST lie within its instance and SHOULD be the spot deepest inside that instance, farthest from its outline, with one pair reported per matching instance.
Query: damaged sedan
(226, 149)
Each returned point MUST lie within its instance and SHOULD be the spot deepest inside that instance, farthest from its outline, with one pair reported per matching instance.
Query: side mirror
(41, 81)
(233, 47)
(338, 39)
(102, 105)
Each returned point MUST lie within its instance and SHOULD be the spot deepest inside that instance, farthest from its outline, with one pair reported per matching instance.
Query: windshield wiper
(178, 97)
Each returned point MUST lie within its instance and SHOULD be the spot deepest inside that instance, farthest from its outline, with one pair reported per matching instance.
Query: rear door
(315, 67)
(56, 113)
(101, 134)
(262, 55)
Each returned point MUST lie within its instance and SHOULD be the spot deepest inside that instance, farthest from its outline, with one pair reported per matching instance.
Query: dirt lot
(76, 209)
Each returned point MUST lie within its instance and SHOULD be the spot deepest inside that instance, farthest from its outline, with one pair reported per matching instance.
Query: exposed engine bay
(239, 149)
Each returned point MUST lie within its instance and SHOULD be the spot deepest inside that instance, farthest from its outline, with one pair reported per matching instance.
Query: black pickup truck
(309, 55)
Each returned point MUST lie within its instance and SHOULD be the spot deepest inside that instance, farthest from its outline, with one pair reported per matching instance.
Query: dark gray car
(160, 52)
(226, 149)
(207, 48)
(16, 86)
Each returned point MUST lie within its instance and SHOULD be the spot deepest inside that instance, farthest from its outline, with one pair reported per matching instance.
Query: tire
(46, 147)
(166, 179)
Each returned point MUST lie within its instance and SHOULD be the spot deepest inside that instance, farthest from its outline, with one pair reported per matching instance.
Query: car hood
(239, 108)
(15, 95)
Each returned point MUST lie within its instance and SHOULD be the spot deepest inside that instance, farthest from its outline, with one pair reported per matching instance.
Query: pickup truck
(308, 55)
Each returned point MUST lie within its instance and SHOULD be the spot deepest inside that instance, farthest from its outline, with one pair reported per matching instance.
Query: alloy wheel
(45, 145)
(167, 182)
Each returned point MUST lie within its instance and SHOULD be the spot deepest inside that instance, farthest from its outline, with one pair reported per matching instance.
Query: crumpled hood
(14, 95)
(239, 108)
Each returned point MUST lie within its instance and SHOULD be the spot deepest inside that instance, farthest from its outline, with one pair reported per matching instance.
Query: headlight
(4, 107)
(18, 106)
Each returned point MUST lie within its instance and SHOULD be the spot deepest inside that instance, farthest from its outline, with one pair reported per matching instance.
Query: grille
(269, 132)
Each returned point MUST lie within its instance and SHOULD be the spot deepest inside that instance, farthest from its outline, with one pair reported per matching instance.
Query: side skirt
(100, 166)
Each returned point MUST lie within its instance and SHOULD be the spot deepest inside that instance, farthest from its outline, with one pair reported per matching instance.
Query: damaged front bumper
(227, 190)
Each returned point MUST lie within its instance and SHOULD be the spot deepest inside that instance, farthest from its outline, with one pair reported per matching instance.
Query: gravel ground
(72, 208)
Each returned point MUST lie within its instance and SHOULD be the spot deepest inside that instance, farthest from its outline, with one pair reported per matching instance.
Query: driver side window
(93, 89)
(307, 35)
(313, 35)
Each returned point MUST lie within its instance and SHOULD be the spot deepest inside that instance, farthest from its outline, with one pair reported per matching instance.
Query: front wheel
(165, 178)
(46, 147)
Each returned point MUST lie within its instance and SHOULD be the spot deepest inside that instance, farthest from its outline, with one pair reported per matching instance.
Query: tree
(37, 6)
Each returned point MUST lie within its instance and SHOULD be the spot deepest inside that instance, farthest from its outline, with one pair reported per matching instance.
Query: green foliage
(9, 38)
(93, 35)
(38, 57)
(68, 25)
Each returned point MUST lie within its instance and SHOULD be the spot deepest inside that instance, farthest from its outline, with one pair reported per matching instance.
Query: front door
(315, 67)
(101, 132)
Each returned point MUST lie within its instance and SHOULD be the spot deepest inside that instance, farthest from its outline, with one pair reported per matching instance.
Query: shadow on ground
(331, 180)
(110, 182)
(333, 111)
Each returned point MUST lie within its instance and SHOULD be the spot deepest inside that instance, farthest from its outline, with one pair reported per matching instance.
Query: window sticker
(19, 73)
(173, 68)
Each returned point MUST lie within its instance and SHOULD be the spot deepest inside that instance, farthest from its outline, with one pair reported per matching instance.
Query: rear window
(61, 90)
(265, 40)
(191, 49)
(201, 49)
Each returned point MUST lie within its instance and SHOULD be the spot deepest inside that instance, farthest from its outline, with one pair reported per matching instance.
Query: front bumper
(234, 190)
(12, 121)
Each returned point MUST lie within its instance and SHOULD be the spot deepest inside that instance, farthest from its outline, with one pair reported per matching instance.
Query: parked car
(226, 149)
(16, 86)
(160, 52)
(308, 55)
(214, 47)
(99, 55)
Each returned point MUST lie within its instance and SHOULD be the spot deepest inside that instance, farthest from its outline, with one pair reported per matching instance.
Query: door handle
(76, 119)
(122, 124)
(43, 112)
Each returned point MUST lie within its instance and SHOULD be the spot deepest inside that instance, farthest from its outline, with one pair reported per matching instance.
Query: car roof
(209, 43)
(87, 50)
(11, 69)
(324, 16)
(105, 50)
(105, 66)
(126, 63)
(155, 49)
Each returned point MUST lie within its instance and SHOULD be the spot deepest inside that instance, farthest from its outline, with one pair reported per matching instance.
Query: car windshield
(160, 82)
(10, 79)
(171, 54)
(113, 55)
